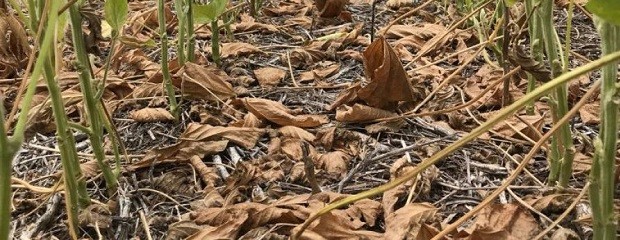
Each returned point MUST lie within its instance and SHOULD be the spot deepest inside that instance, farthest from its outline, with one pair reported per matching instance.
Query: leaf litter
(302, 72)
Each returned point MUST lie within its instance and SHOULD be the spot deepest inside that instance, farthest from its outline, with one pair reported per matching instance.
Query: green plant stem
(191, 39)
(215, 43)
(563, 140)
(86, 87)
(9, 149)
(602, 175)
(172, 101)
(535, 45)
(68, 155)
(181, 37)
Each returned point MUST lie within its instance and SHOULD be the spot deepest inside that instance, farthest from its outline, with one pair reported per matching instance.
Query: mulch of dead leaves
(302, 73)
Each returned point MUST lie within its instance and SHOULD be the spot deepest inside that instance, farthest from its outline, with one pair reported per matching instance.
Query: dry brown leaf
(245, 137)
(295, 132)
(335, 163)
(388, 80)
(406, 222)
(359, 113)
(278, 113)
(554, 203)
(152, 115)
(520, 127)
(330, 8)
(238, 49)
(503, 221)
(336, 226)
(180, 152)
(14, 46)
(589, 113)
(254, 26)
(420, 33)
(308, 55)
(346, 96)
(208, 83)
(135, 62)
(269, 76)
(147, 89)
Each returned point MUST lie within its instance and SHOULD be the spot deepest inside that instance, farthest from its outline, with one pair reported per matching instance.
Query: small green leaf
(116, 13)
(605, 9)
(510, 3)
(209, 12)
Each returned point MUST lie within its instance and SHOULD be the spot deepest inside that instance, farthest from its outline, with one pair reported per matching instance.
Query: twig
(309, 167)
(290, 68)
(145, 225)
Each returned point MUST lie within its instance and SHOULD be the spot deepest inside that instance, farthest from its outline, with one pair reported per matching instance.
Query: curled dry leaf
(254, 26)
(502, 221)
(179, 152)
(152, 115)
(278, 113)
(408, 221)
(238, 49)
(346, 96)
(359, 113)
(388, 80)
(514, 127)
(242, 136)
(334, 163)
(208, 83)
(295, 132)
(269, 76)
(330, 8)
(14, 47)
(135, 62)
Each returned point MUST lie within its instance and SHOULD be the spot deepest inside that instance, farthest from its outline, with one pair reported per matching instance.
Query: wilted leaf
(514, 127)
(295, 132)
(388, 80)
(245, 137)
(348, 95)
(238, 49)
(337, 226)
(269, 76)
(208, 83)
(359, 113)
(180, 152)
(14, 46)
(330, 8)
(504, 221)
(277, 113)
(335, 163)
(406, 222)
(152, 115)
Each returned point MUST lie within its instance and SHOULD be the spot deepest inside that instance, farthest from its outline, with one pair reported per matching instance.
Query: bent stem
(500, 116)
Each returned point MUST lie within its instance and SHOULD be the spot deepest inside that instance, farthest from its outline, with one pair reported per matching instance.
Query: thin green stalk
(567, 35)
(535, 45)
(602, 193)
(181, 15)
(191, 39)
(9, 149)
(563, 139)
(215, 43)
(174, 108)
(68, 155)
(86, 87)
